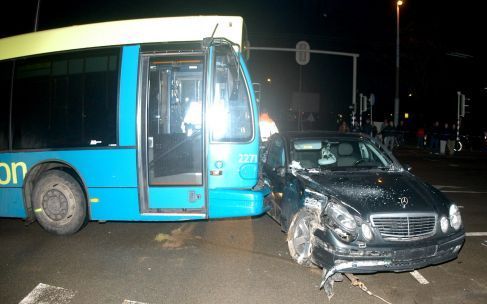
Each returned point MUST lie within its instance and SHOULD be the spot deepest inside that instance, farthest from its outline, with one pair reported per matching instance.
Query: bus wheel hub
(55, 205)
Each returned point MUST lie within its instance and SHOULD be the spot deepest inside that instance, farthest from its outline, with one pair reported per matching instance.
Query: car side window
(276, 158)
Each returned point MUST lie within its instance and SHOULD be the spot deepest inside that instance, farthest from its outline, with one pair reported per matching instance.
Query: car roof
(292, 135)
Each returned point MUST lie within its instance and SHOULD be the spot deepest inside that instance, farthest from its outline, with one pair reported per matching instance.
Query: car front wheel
(299, 237)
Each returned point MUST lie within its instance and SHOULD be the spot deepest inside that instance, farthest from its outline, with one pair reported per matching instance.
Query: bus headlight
(455, 217)
(444, 224)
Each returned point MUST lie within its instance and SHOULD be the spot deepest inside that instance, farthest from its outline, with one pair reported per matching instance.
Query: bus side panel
(11, 203)
(117, 204)
(128, 95)
(114, 204)
(98, 168)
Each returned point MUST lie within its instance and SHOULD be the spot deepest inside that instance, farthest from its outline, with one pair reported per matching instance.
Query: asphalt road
(232, 261)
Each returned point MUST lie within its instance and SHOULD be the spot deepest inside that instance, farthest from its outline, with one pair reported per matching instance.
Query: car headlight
(341, 217)
(444, 224)
(455, 217)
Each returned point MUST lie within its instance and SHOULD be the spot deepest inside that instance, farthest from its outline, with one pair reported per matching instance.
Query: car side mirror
(408, 167)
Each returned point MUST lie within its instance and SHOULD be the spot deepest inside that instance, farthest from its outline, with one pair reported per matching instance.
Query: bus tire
(59, 203)
(299, 237)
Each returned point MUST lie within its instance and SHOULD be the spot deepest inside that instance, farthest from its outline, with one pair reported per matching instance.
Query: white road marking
(132, 302)
(476, 233)
(419, 277)
(44, 294)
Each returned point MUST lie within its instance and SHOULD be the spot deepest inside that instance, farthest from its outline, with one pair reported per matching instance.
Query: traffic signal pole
(459, 101)
(353, 55)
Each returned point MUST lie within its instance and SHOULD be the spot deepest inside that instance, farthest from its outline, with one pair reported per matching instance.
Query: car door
(274, 174)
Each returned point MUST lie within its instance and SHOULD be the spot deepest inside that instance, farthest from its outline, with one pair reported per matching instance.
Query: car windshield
(339, 154)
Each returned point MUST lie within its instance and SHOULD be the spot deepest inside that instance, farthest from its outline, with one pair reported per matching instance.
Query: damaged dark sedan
(348, 206)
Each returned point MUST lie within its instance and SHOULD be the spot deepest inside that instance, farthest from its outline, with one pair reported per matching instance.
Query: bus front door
(173, 137)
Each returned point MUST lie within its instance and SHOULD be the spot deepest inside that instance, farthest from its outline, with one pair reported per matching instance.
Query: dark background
(442, 49)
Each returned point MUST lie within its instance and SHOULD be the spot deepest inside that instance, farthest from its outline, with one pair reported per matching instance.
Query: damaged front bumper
(330, 253)
(336, 257)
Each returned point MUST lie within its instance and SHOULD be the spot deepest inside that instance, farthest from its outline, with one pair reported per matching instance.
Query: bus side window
(76, 91)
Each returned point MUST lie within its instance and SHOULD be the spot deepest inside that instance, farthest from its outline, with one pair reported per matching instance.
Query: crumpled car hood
(379, 192)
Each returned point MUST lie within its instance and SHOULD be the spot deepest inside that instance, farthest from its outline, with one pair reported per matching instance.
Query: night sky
(442, 49)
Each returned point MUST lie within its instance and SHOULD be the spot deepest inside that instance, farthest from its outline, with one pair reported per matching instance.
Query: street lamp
(396, 99)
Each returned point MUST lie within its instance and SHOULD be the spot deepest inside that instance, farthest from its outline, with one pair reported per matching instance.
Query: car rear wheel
(299, 237)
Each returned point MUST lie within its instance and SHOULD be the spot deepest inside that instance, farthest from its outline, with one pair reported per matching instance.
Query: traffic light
(464, 105)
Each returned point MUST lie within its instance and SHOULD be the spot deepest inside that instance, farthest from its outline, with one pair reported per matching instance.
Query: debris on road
(356, 282)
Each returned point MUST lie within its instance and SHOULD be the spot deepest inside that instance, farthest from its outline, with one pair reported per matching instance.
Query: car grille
(404, 227)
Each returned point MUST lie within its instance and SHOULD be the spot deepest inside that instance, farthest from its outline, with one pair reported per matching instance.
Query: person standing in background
(389, 134)
(343, 128)
(420, 138)
(267, 126)
(452, 136)
(367, 128)
(435, 138)
(384, 125)
(444, 135)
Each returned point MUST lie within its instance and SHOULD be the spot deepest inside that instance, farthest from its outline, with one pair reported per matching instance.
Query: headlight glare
(444, 224)
(455, 217)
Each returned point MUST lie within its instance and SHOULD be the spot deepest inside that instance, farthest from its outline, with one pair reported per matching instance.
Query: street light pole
(396, 99)
(36, 21)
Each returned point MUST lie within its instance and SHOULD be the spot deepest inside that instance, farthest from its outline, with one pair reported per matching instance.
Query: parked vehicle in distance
(348, 206)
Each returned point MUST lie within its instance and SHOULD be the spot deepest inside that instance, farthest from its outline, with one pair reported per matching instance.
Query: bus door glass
(174, 133)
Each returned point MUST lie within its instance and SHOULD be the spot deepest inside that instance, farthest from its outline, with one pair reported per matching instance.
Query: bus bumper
(224, 203)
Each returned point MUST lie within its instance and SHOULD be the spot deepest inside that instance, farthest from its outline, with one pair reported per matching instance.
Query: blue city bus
(136, 120)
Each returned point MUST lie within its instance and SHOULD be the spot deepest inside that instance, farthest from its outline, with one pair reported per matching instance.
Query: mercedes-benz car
(348, 206)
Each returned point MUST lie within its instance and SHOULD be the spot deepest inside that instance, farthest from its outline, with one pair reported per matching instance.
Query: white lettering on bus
(247, 158)
(11, 171)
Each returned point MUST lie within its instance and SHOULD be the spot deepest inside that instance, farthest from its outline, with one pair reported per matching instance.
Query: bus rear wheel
(59, 203)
